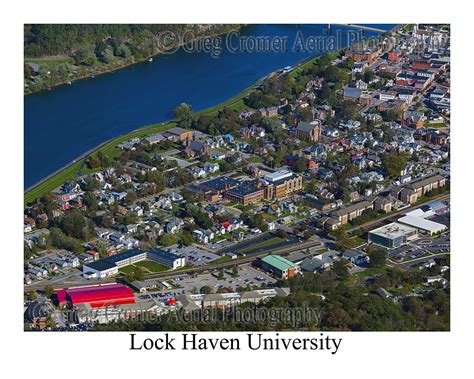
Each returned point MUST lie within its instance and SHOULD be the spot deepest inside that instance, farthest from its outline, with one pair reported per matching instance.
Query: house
(238, 234)
(178, 134)
(198, 172)
(271, 226)
(360, 84)
(274, 209)
(315, 264)
(174, 226)
(211, 167)
(218, 156)
(383, 293)
(356, 257)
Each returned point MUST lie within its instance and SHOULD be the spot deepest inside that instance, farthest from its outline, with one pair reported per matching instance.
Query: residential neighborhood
(335, 170)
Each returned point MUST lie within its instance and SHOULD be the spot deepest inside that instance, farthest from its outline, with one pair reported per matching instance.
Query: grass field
(147, 265)
(151, 266)
(126, 269)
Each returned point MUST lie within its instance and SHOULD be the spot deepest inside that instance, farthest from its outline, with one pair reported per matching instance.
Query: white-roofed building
(422, 224)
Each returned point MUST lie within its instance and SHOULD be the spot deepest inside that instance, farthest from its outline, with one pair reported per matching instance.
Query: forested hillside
(60, 53)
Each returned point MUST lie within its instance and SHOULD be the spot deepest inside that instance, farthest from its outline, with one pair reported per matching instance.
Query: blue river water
(68, 120)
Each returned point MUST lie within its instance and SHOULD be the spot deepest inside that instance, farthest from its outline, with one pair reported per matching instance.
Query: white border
(361, 354)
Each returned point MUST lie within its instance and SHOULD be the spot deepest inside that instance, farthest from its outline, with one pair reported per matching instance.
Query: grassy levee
(110, 149)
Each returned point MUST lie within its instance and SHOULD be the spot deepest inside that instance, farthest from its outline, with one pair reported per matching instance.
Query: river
(63, 123)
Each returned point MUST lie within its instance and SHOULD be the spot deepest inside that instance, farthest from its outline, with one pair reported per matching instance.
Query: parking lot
(420, 247)
(247, 276)
(196, 256)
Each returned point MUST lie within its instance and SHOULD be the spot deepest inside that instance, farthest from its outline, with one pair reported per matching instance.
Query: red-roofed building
(97, 296)
(392, 56)
(225, 224)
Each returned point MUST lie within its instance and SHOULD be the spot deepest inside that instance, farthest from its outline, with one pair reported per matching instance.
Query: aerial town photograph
(201, 177)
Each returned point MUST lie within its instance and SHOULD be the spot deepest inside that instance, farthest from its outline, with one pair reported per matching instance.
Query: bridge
(363, 27)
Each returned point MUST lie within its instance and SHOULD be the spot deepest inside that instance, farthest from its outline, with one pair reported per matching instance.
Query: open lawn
(151, 266)
(126, 269)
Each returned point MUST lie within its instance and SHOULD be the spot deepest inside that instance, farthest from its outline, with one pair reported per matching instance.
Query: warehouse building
(280, 267)
(97, 296)
(392, 235)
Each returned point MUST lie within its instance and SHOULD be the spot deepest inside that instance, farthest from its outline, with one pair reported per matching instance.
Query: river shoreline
(90, 75)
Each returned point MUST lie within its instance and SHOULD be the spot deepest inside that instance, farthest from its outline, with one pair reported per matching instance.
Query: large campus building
(110, 265)
(276, 185)
(97, 296)
(280, 184)
(392, 235)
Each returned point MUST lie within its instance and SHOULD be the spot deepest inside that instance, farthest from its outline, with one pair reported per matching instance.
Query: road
(408, 265)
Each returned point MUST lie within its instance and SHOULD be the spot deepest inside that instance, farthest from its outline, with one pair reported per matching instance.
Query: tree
(343, 241)
(31, 295)
(101, 249)
(48, 291)
(339, 268)
(349, 109)
(282, 233)
(85, 56)
(377, 256)
(131, 197)
(75, 225)
(206, 290)
(168, 239)
(235, 272)
(135, 273)
(306, 114)
(28, 71)
(93, 162)
(394, 164)
(186, 238)
(184, 114)
(123, 51)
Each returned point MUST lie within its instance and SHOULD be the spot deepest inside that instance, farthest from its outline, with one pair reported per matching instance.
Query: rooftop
(421, 223)
(278, 262)
(393, 230)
